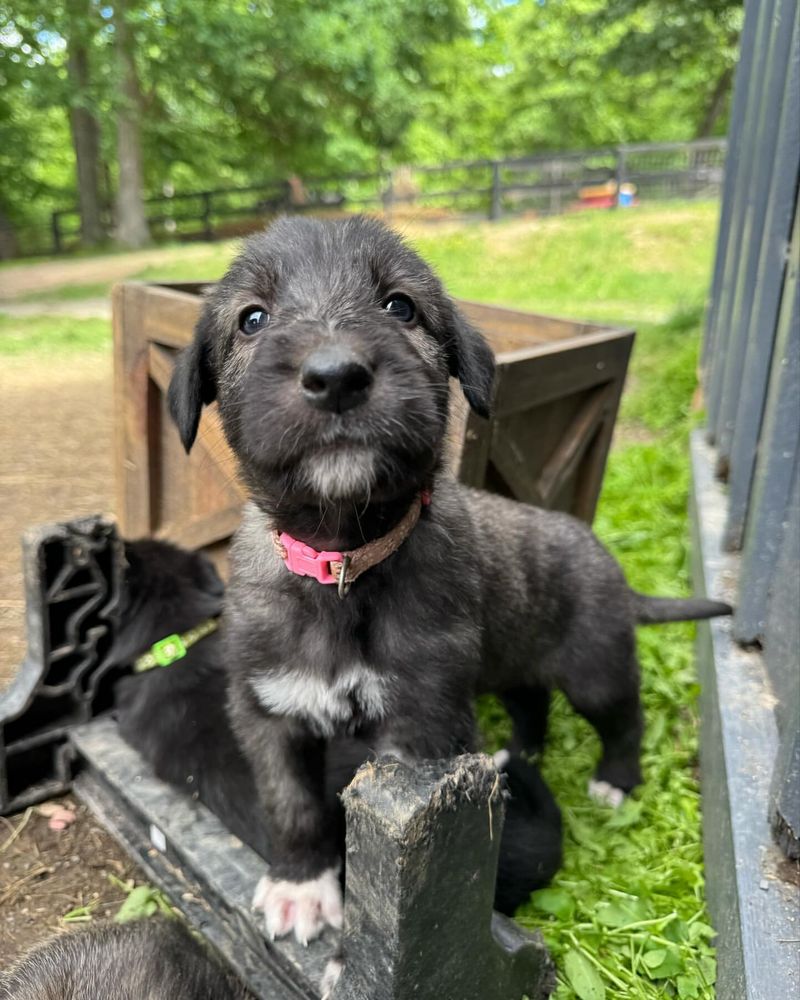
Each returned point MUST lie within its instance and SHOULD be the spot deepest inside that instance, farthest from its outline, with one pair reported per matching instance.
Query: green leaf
(584, 835)
(699, 930)
(688, 987)
(554, 901)
(613, 915)
(143, 901)
(583, 977)
(708, 969)
(661, 963)
(622, 912)
(676, 931)
(628, 814)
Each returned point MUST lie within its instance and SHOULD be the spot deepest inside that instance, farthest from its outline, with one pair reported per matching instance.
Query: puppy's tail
(657, 610)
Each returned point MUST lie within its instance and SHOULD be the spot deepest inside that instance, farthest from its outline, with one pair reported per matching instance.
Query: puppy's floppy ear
(472, 362)
(192, 384)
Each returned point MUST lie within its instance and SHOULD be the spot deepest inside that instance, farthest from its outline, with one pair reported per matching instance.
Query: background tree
(84, 125)
(36, 158)
(130, 223)
(133, 95)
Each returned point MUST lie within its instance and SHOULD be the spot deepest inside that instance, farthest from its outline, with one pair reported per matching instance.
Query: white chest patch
(327, 705)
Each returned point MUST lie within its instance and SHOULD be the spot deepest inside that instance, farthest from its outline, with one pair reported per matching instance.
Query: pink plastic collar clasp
(303, 560)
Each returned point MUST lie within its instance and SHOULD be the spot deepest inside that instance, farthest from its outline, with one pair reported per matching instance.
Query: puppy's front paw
(605, 794)
(501, 759)
(302, 907)
(330, 977)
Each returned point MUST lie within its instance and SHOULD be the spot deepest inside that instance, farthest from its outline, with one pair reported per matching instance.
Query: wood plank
(575, 441)
(190, 287)
(520, 477)
(131, 409)
(511, 329)
(198, 532)
(557, 370)
(475, 451)
(161, 363)
(170, 316)
(590, 479)
(211, 439)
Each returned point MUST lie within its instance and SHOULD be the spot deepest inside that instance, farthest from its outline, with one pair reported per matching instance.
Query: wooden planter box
(556, 399)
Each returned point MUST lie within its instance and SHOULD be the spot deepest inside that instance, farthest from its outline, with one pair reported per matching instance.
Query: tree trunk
(8, 239)
(85, 139)
(132, 228)
(716, 104)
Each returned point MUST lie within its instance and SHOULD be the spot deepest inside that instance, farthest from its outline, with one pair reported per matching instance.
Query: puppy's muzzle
(335, 378)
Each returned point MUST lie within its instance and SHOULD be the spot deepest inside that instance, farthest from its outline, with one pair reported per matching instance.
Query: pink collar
(343, 568)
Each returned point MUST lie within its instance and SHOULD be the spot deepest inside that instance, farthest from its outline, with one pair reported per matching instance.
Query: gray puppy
(154, 959)
(329, 347)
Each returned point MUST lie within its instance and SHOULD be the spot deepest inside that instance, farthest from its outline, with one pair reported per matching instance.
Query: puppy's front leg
(440, 727)
(302, 891)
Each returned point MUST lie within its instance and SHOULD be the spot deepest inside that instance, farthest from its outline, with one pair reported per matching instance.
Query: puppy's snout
(335, 378)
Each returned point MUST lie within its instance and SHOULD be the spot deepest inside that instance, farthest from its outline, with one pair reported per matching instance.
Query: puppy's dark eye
(253, 320)
(400, 307)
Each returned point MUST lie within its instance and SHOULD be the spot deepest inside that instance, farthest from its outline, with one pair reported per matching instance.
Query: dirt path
(24, 279)
(55, 463)
(80, 309)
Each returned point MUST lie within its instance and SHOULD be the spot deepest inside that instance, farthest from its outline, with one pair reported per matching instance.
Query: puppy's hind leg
(609, 700)
(528, 707)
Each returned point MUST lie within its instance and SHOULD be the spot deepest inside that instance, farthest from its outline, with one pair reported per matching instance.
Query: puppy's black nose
(335, 378)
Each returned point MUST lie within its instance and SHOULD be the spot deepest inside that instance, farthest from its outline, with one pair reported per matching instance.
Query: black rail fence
(746, 499)
(491, 188)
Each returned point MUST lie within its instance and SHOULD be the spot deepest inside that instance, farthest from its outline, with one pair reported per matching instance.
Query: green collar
(173, 647)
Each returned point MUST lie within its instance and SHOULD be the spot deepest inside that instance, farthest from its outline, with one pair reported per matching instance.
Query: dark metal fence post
(422, 849)
(540, 181)
(55, 223)
(208, 230)
(495, 205)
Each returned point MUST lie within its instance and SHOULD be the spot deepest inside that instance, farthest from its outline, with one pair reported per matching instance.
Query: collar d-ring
(344, 586)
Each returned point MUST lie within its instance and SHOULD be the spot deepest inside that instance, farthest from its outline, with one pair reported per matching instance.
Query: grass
(625, 918)
(629, 899)
(52, 335)
(642, 265)
(69, 293)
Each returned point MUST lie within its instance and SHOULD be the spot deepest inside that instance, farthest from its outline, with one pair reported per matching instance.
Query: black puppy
(174, 717)
(370, 593)
(154, 959)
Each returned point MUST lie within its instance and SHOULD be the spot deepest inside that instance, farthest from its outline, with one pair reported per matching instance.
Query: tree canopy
(252, 90)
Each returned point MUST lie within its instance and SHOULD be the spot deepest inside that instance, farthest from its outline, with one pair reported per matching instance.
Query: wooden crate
(557, 393)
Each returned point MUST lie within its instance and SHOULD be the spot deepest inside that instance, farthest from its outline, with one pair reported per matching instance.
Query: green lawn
(641, 265)
(630, 898)
(29, 336)
(626, 917)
